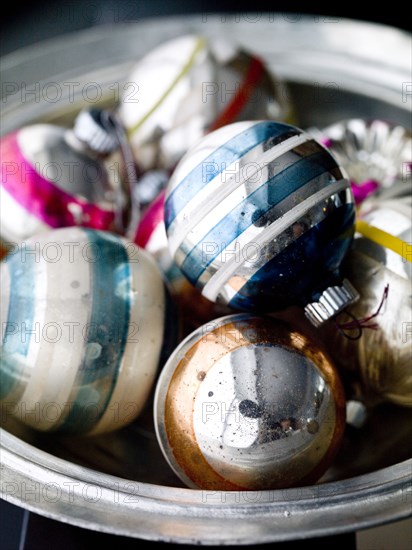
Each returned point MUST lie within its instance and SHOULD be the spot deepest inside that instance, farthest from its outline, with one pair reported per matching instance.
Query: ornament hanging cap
(95, 130)
(332, 300)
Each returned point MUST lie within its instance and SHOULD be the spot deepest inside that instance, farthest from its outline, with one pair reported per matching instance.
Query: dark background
(24, 25)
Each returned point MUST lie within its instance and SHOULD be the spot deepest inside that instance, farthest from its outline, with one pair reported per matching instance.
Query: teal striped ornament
(84, 322)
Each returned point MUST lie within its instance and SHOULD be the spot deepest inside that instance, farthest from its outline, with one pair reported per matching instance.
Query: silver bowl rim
(54, 484)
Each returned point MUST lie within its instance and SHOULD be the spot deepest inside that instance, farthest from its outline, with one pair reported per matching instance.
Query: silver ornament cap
(89, 128)
(332, 301)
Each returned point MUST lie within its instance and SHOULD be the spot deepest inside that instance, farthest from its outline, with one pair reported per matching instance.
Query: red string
(254, 74)
(360, 324)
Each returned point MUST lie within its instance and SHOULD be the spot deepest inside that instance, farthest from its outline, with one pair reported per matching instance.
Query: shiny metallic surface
(246, 403)
(171, 514)
(331, 302)
(371, 150)
(259, 216)
(89, 129)
(121, 484)
(395, 218)
(151, 184)
(380, 356)
(194, 308)
(189, 86)
(54, 181)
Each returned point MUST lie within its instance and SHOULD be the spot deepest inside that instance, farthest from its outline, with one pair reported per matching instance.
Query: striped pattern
(384, 233)
(187, 64)
(82, 335)
(248, 195)
(190, 86)
(46, 184)
(20, 313)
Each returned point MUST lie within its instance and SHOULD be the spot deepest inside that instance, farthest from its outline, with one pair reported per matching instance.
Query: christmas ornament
(84, 321)
(247, 403)
(190, 86)
(373, 338)
(151, 235)
(56, 177)
(376, 154)
(259, 216)
(151, 184)
(385, 233)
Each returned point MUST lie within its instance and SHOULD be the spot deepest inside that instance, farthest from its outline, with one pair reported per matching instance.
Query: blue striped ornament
(259, 216)
(84, 321)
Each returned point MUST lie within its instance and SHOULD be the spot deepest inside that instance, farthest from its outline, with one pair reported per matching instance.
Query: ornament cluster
(199, 254)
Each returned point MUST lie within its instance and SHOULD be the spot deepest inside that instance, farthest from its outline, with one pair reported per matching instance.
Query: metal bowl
(119, 483)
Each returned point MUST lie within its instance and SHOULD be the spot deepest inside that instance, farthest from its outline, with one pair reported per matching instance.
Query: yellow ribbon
(385, 239)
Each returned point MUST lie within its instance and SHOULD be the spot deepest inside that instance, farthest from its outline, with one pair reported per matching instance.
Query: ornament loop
(360, 324)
